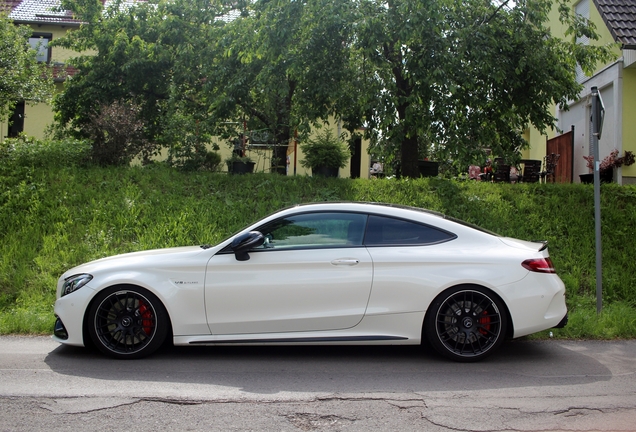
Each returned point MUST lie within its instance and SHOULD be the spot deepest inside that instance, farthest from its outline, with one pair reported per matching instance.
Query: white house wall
(609, 83)
(576, 117)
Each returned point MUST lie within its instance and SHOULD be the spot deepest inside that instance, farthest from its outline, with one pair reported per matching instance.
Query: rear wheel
(466, 323)
(127, 322)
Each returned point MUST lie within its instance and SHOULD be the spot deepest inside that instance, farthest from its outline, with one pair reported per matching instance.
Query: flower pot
(239, 167)
(606, 176)
(428, 168)
(325, 171)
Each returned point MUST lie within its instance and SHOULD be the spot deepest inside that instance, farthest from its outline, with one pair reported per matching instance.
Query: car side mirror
(244, 243)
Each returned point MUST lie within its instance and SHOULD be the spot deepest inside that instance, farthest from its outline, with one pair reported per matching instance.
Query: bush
(31, 152)
(325, 150)
(55, 217)
(201, 160)
(117, 132)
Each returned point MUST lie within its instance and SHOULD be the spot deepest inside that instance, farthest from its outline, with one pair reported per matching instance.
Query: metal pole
(295, 149)
(596, 120)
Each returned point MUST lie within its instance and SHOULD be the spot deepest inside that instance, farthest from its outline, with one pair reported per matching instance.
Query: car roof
(386, 209)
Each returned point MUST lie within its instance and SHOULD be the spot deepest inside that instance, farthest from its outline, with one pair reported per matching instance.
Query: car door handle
(345, 262)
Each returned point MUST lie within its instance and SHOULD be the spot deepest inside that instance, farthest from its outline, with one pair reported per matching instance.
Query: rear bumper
(536, 303)
(563, 322)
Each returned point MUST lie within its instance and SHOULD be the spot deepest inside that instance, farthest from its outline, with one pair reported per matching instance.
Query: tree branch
(501, 6)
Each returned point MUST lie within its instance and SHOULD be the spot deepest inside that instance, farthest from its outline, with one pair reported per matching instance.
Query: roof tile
(620, 18)
(38, 11)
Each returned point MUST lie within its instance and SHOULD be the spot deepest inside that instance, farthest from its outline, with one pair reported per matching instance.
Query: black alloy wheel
(466, 323)
(127, 323)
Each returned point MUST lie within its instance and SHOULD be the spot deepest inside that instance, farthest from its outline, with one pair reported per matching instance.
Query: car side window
(387, 231)
(314, 230)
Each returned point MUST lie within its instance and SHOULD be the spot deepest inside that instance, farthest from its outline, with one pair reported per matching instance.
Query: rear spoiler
(543, 242)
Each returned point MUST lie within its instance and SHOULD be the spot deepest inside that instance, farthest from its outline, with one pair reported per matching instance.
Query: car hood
(143, 259)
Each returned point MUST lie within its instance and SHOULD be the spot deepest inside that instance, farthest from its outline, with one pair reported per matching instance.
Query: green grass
(616, 321)
(53, 217)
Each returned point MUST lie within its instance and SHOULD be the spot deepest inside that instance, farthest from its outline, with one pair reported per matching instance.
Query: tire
(466, 323)
(127, 322)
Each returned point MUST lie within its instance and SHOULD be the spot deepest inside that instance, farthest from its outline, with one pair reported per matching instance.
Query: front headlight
(75, 282)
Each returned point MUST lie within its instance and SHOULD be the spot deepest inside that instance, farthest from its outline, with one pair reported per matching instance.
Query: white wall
(609, 83)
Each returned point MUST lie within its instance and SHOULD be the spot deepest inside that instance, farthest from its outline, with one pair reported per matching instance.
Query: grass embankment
(52, 218)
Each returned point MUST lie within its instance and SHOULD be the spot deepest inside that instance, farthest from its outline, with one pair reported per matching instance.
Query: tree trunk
(409, 157)
(408, 147)
(283, 130)
(279, 153)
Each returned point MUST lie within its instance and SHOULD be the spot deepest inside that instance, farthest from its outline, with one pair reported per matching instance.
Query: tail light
(539, 265)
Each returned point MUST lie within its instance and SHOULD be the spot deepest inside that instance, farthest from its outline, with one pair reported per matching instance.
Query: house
(615, 21)
(47, 24)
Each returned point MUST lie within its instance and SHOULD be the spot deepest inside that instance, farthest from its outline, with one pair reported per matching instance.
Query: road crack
(311, 421)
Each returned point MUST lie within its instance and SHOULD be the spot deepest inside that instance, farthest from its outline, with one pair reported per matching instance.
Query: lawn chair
(531, 170)
(502, 171)
(549, 167)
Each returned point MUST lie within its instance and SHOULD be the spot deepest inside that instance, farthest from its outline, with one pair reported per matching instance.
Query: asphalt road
(526, 386)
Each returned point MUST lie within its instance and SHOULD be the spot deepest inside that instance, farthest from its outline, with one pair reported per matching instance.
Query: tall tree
(459, 76)
(281, 65)
(22, 78)
(149, 55)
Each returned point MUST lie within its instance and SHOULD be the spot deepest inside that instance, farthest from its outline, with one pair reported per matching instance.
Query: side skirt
(301, 340)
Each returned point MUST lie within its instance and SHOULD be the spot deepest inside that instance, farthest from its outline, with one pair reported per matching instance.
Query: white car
(330, 273)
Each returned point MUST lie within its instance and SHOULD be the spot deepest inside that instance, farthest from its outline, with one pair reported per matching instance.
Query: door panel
(288, 290)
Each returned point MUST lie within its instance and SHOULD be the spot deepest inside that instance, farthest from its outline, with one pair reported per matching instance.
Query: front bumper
(59, 331)
(69, 312)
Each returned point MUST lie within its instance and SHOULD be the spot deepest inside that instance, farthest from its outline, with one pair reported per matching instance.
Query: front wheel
(127, 322)
(465, 323)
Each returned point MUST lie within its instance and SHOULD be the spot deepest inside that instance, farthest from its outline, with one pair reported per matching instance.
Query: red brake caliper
(146, 317)
(485, 322)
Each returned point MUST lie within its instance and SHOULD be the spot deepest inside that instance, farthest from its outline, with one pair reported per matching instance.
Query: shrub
(53, 218)
(325, 150)
(117, 132)
(25, 151)
(211, 161)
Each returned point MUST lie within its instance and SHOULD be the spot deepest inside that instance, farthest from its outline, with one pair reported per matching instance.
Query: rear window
(384, 231)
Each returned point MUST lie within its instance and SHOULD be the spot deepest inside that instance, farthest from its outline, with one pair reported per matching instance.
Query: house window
(40, 43)
(582, 9)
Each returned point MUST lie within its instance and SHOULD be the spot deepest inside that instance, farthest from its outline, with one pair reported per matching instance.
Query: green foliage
(53, 217)
(149, 56)
(281, 67)
(278, 66)
(616, 321)
(461, 76)
(446, 79)
(117, 134)
(200, 159)
(21, 76)
(211, 161)
(325, 150)
(31, 152)
(236, 158)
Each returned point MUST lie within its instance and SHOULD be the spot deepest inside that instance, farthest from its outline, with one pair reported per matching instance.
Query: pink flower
(611, 161)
